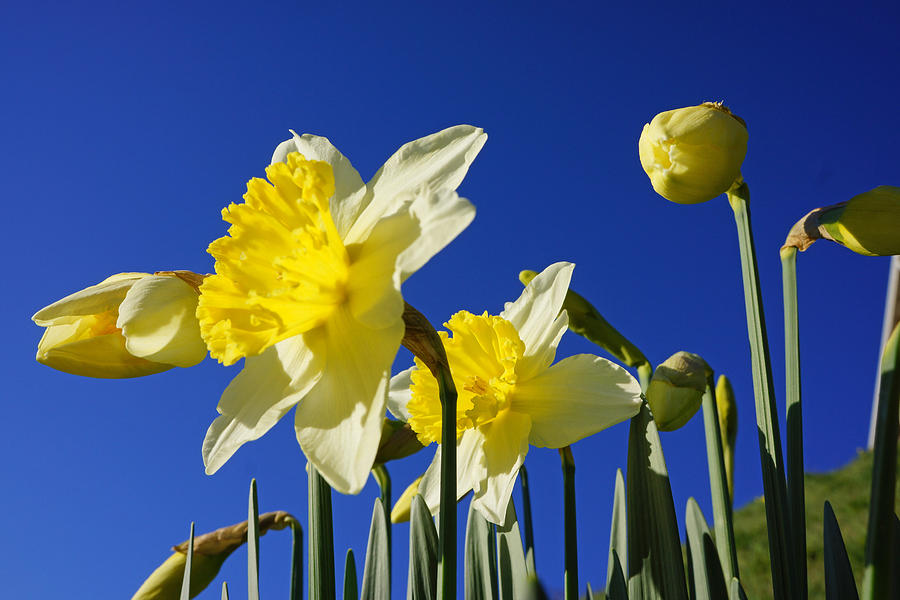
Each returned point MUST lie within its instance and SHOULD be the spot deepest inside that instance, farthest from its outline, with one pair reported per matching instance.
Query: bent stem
(795, 474)
(784, 577)
(718, 485)
(571, 528)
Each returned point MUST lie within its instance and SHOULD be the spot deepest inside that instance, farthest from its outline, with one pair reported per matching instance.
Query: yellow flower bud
(401, 511)
(676, 390)
(128, 325)
(728, 425)
(210, 551)
(868, 224)
(693, 154)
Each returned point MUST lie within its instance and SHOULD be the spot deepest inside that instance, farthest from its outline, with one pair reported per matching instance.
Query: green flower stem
(794, 433)
(879, 543)
(321, 538)
(296, 561)
(784, 576)
(383, 478)
(447, 514)
(526, 518)
(253, 544)
(571, 527)
(718, 485)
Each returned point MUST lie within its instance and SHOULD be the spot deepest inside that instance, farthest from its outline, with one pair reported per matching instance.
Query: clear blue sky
(127, 127)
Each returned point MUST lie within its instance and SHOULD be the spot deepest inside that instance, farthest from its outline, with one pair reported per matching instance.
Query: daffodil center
(483, 353)
(283, 268)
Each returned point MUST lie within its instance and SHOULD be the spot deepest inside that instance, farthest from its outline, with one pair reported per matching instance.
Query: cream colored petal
(106, 295)
(399, 394)
(470, 471)
(349, 190)
(505, 446)
(157, 318)
(535, 315)
(442, 215)
(102, 356)
(373, 285)
(338, 423)
(265, 389)
(575, 398)
(438, 161)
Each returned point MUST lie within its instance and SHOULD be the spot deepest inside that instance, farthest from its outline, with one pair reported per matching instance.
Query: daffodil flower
(510, 393)
(307, 290)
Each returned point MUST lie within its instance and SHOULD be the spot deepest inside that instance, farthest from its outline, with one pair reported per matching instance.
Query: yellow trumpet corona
(128, 325)
(693, 154)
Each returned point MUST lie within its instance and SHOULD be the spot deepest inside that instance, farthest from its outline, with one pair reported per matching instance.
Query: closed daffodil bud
(868, 224)
(210, 551)
(398, 440)
(693, 154)
(401, 511)
(728, 425)
(128, 325)
(676, 390)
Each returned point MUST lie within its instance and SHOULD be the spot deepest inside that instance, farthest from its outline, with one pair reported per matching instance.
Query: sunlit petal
(399, 394)
(505, 446)
(470, 470)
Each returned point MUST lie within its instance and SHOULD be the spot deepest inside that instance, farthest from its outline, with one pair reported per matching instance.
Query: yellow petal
(158, 319)
(575, 398)
(102, 356)
(338, 423)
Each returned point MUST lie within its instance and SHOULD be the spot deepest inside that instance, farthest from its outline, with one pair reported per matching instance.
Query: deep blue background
(127, 127)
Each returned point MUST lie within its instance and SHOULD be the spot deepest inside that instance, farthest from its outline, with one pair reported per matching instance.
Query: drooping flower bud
(728, 426)
(401, 511)
(868, 224)
(398, 440)
(128, 325)
(210, 551)
(693, 154)
(676, 390)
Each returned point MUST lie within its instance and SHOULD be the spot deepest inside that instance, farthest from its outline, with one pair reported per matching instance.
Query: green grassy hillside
(848, 491)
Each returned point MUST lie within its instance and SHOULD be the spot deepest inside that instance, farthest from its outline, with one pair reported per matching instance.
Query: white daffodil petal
(338, 423)
(439, 161)
(399, 394)
(158, 319)
(470, 471)
(505, 445)
(106, 295)
(373, 285)
(537, 308)
(543, 349)
(442, 215)
(349, 190)
(265, 389)
(575, 398)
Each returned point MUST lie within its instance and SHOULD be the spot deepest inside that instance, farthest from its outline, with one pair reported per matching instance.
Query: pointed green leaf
(589, 593)
(618, 530)
(512, 574)
(839, 581)
(534, 590)
(253, 544)
(423, 552)
(224, 590)
(879, 546)
(376, 573)
(703, 558)
(350, 584)
(655, 568)
(480, 565)
(383, 478)
(527, 522)
(186, 579)
(736, 590)
(321, 538)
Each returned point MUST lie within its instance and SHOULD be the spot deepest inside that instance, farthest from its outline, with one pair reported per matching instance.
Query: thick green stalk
(784, 576)
(526, 514)
(794, 433)
(253, 544)
(718, 485)
(296, 561)
(321, 538)
(880, 545)
(447, 514)
(383, 478)
(571, 527)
